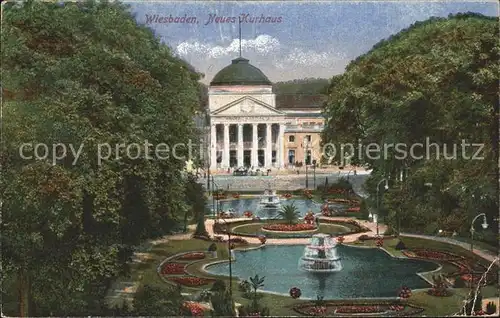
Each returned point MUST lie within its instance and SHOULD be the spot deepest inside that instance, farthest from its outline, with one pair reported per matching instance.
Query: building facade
(250, 128)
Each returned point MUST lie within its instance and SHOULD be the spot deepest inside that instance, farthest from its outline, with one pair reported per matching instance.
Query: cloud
(263, 44)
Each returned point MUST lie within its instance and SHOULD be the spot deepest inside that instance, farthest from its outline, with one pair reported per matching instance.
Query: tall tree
(86, 75)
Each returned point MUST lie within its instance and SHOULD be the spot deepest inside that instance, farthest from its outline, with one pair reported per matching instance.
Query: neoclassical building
(247, 126)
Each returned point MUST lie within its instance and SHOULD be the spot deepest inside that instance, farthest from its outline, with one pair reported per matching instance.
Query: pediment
(247, 106)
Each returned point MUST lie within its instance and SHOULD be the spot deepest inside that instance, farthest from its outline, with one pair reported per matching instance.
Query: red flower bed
(362, 309)
(236, 195)
(353, 209)
(238, 240)
(436, 255)
(340, 239)
(380, 242)
(289, 227)
(191, 281)
(315, 311)
(287, 195)
(192, 256)
(396, 307)
(194, 308)
(248, 214)
(469, 277)
(172, 268)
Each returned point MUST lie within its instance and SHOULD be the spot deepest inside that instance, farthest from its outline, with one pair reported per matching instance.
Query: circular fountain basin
(366, 272)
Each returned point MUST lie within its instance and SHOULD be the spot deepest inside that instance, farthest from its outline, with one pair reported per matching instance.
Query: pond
(241, 205)
(366, 272)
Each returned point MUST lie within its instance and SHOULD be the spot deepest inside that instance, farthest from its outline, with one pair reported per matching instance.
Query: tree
(289, 213)
(153, 301)
(435, 82)
(86, 75)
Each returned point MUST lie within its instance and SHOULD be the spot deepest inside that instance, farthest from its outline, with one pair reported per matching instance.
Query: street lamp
(230, 258)
(314, 171)
(485, 226)
(378, 197)
(306, 146)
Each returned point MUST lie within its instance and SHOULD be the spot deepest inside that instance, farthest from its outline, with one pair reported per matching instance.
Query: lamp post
(485, 226)
(230, 259)
(306, 146)
(314, 171)
(378, 197)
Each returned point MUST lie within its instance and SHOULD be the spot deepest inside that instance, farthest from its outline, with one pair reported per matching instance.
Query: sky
(286, 40)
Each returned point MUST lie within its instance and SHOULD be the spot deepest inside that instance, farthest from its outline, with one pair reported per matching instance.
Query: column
(269, 149)
(225, 151)
(255, 146)
(281, 147)
(213, 146)
(240, 145)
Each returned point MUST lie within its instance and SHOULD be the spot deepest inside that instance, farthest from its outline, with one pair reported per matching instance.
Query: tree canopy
(435, 82)
(84, 75)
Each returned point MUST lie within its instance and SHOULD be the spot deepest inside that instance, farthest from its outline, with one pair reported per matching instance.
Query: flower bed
(289, 227)
(192, 256)
(434, 255)
(195, 309)
(362, 309)
(354, 209)
(238, 240)
(173, 269)
(287, 195)
(355, 308)
(236, 195)
(191, 281)
(248, 214)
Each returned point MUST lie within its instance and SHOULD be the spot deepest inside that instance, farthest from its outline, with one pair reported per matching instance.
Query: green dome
(240, 72)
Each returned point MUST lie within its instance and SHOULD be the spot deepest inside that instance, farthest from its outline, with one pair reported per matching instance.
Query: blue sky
(313, 39)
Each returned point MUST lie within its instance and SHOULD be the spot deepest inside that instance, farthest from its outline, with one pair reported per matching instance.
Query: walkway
(487, 255)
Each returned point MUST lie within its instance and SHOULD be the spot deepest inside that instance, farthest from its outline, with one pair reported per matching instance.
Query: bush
(491, 308)
(212, 247)
(478, 306)
(459, 282)
(245, 286)
(364, 237)
(431, 228)
(400, 246)
(222, 304)
(363, 210)
(218, 286)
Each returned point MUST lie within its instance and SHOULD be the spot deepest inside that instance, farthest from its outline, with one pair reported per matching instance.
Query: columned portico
(247, 153)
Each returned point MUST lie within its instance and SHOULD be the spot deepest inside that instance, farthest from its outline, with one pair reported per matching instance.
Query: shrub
(212, 247)
(218, 286)
(459, 282)
(491, 308)
(400, 246)
(478, 306)
(222, 304)
(245, 286)
(363, 237)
